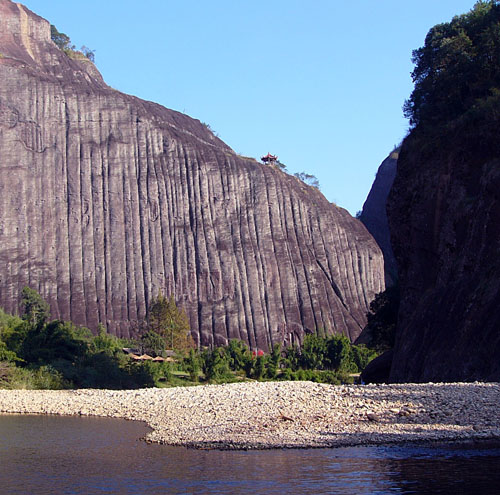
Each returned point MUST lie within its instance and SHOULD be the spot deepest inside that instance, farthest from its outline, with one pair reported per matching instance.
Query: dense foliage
(37, 353)
(322, 359)
(457, 71)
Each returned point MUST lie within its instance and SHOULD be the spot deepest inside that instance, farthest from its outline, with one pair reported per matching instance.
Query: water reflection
(42, 455)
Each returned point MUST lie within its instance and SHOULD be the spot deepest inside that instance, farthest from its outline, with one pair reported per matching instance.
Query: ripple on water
(80, 455)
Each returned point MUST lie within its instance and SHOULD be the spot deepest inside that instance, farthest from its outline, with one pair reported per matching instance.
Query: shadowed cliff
(444, 213)
(444, 206)
(106, 199)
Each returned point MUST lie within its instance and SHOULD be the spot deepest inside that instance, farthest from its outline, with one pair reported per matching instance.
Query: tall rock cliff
(106, 199)
(374, 215)
(444, 206)
(444, 215)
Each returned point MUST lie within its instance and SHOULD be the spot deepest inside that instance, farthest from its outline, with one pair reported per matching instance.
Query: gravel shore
(284, 414)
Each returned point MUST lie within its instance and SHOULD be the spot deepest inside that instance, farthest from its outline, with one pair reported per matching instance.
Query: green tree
(171, 322)
(13, 331)
(62, 40)
(259, 368)
(313, 352)
(90, 54)
(280, 165)
(362, 355)
(292, 359)
(54, 341)
(309, 179)
(339, 354)
(152, 343)
(457, 68)
(35, 310)
(6, 354)
(215, 364)
(239, 355)
(104, 342)
(273, 362)
(192, 365)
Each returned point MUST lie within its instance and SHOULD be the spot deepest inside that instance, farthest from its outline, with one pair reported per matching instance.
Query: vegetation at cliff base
(167, 326)
(332, 359)
(38, 353)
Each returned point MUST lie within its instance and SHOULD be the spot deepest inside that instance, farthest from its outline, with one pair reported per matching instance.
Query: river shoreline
(269, 415)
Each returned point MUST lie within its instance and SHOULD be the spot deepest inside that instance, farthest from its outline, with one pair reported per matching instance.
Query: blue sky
(319, 83)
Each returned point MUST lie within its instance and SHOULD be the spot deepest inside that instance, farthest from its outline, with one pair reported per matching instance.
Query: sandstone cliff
(444, 215)
(374, 215)
(105, 199)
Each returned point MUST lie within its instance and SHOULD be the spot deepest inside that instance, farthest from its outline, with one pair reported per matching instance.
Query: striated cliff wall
(105, 199)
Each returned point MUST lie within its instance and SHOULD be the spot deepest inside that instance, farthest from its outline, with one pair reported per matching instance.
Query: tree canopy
(170, 322)
(34, 309)
(457, 71)
(63, 41)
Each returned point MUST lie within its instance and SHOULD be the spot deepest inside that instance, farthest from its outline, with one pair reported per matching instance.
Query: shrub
(45, 377)
(192, 365)
(339, 354)
(313, 352)
(215, 364)
(6, 355)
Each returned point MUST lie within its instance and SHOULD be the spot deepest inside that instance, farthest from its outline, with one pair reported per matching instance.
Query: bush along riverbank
(39, 354)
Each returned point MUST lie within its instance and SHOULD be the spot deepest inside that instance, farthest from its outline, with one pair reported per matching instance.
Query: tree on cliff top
(458, 69)
(63, 41)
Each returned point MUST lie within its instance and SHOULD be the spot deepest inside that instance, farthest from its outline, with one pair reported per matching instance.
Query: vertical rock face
(374, 215)
(106, 199)
(444, 216)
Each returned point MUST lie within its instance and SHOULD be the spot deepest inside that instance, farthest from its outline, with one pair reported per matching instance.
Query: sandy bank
(284, 414)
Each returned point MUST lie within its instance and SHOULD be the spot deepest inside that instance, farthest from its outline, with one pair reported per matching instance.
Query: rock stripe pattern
(106, 199)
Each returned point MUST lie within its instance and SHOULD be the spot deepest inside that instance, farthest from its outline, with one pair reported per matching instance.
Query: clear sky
(320, 83)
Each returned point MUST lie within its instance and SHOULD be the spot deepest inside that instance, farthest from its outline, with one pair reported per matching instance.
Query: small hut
(269, 158)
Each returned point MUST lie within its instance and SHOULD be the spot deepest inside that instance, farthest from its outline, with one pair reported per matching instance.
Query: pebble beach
(266, 415)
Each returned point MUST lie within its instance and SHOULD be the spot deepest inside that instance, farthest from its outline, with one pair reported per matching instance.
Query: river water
(73, 455)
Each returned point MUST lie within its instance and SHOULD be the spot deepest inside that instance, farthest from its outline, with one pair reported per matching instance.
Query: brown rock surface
(444, 216)
(105, 199)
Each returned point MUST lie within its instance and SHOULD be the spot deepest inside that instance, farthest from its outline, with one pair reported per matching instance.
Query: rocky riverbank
(284, 414)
